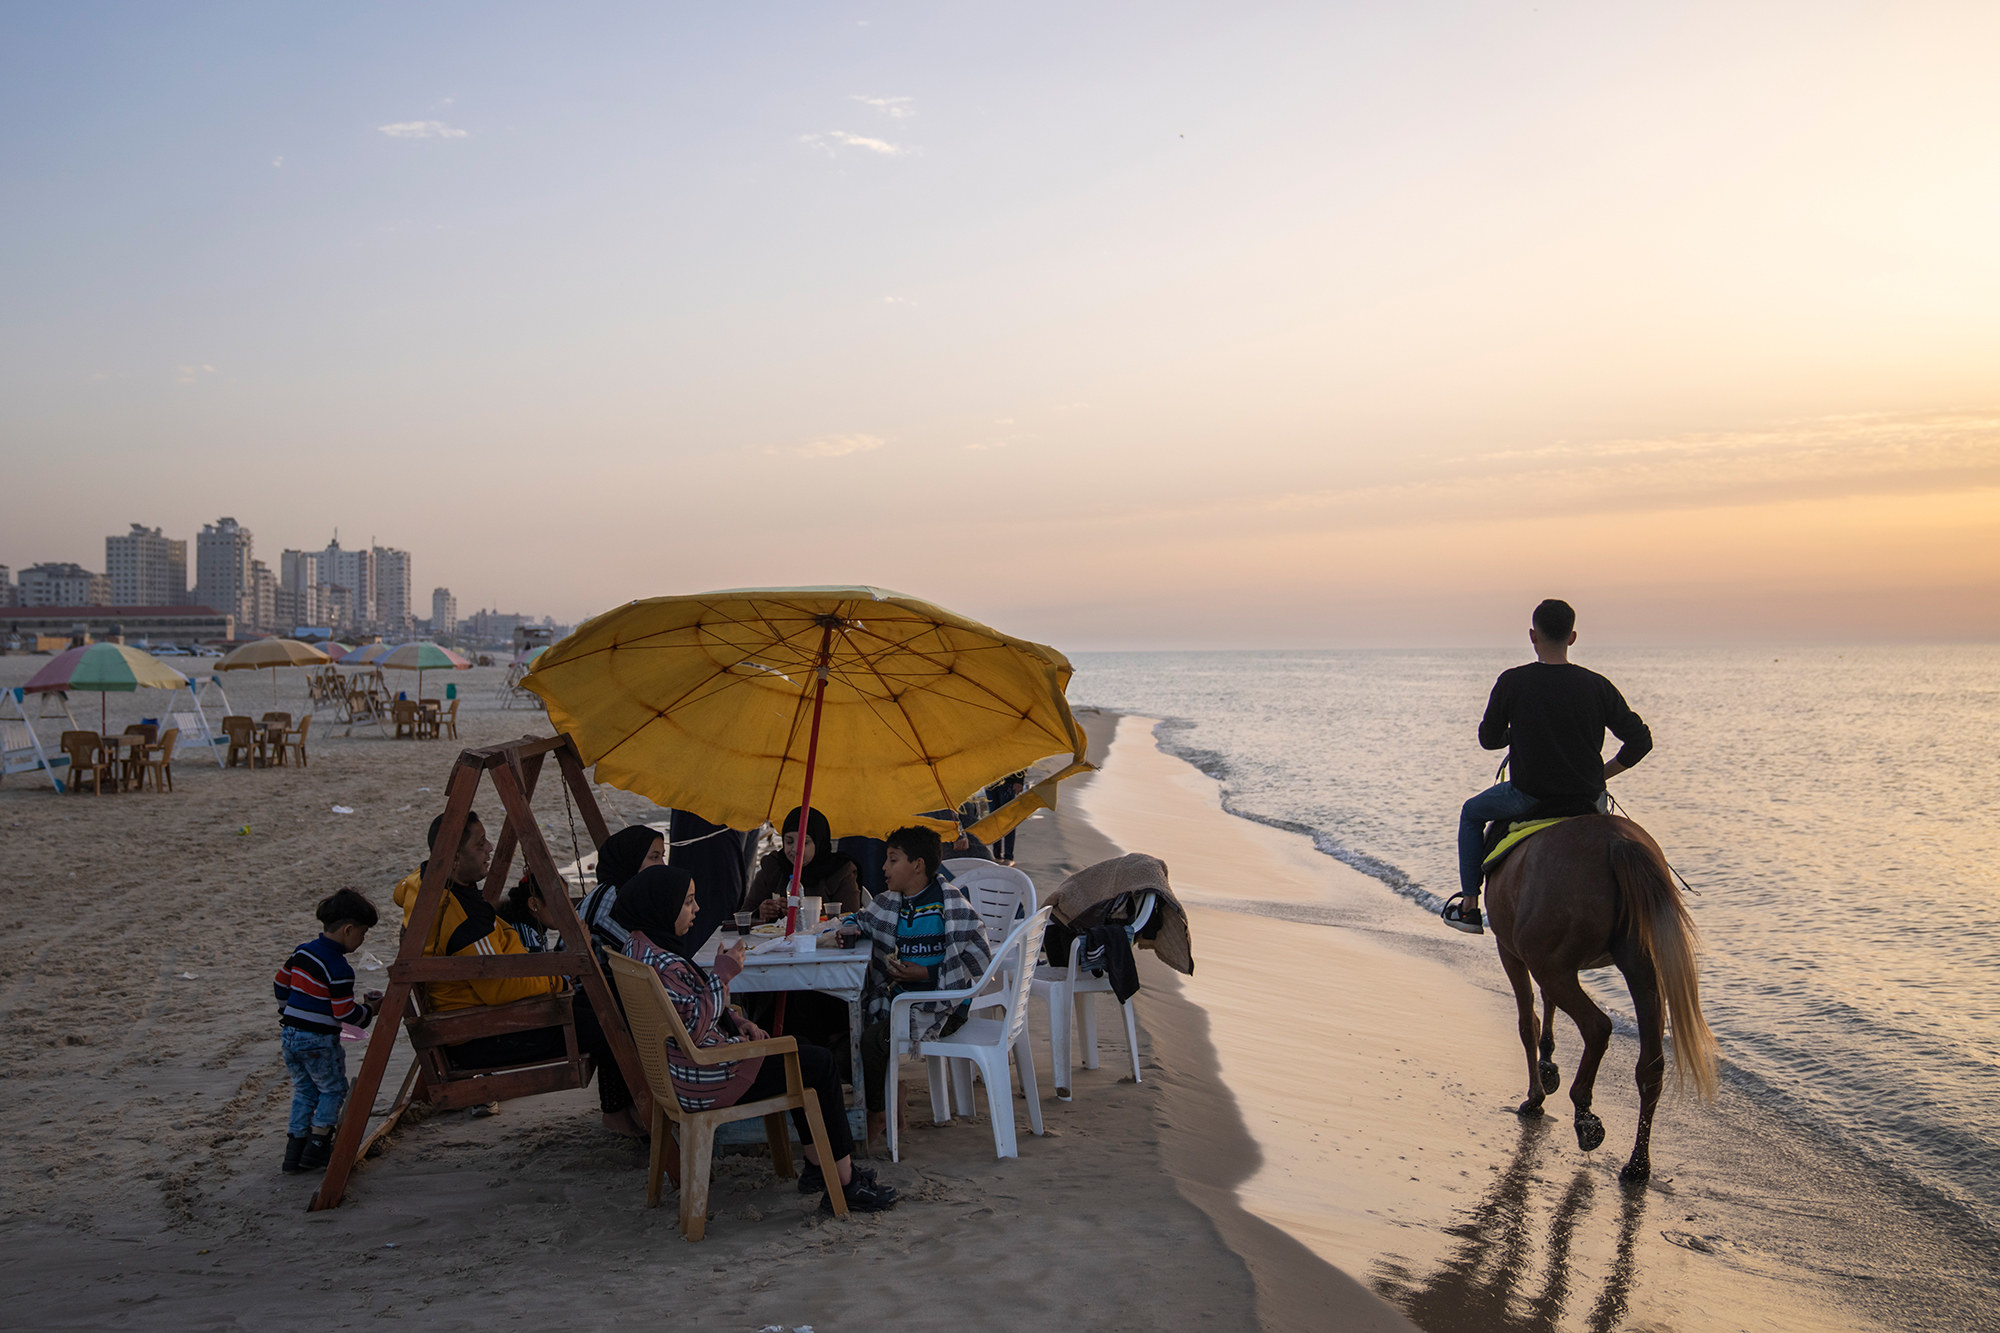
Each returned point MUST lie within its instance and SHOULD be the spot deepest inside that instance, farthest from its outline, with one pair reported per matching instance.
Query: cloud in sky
(833, 446)
(278, 161)
(833, 140)
(191, 374)
(897, 108)
(423, 129)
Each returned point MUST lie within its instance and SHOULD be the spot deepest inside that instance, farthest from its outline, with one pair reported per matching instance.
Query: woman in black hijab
(714, 855)
(827, 875)
(657, 909)
(623, 855)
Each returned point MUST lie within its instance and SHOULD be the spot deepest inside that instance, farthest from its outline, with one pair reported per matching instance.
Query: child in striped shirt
(315, 990)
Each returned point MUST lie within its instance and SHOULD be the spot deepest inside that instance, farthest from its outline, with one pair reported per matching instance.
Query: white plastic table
(771, 966)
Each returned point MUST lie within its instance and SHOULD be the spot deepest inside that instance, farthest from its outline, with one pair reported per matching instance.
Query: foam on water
(1836, 810)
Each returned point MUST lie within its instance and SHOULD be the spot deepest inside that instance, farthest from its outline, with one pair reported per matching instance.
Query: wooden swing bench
(432, 1079)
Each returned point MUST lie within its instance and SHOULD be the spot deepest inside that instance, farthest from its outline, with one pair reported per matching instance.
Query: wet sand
(1377, 1063)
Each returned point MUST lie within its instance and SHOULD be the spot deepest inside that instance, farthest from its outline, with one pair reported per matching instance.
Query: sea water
(1835, 810)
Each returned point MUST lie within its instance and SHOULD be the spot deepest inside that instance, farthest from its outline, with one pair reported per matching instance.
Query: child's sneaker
(319, 1150)
(295, 1148)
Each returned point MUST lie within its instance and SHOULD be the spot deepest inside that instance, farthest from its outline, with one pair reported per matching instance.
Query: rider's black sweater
(1552, 718)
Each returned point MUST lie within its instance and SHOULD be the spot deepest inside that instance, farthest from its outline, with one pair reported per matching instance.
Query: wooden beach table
(836, 972)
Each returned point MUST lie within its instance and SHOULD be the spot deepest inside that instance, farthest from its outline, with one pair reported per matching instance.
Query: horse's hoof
(1636, 1172)
(1589, 1131)
(1551, 1077)
(1530, 1109)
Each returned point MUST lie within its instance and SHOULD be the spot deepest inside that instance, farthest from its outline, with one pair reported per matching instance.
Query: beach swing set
(514, 769)
(21, 748)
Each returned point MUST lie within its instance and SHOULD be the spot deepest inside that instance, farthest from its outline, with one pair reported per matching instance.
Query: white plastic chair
(998, 893)
(1072, 988)
(987, 1043)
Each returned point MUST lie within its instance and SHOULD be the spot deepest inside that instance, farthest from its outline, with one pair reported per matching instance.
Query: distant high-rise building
(299, 580)
(146, 568)
(444, 614)
(392, 590)
(9, 594)
(222, 577)
(63, 584)
(336, 602)
(263, 599)
(354, 571)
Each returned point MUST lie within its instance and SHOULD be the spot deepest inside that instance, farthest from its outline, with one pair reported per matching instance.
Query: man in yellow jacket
(468, 926)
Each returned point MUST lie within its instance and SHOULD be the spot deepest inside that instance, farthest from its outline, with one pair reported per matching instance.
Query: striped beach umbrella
(108, 668)
(423, 656)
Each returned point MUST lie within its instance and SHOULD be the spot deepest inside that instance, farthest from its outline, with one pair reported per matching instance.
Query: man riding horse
(1551, 716)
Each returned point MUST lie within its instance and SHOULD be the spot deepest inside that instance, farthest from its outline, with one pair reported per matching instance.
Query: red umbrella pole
(805, 801)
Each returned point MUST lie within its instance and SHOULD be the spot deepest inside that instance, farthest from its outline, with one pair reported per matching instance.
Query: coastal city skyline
(1323, 326)
(333, 590)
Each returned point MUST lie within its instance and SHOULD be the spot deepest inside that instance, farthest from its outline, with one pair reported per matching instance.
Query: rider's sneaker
(1460, 917)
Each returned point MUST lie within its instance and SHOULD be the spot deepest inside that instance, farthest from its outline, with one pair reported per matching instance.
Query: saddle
(1503, 836)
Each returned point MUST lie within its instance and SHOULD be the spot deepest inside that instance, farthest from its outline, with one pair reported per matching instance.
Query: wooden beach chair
(655, 1022)
(514, 769)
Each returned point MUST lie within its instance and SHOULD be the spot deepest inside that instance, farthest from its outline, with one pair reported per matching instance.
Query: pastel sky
(1151, 325)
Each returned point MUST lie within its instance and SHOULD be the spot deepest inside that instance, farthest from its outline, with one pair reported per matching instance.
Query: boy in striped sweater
(315, 990)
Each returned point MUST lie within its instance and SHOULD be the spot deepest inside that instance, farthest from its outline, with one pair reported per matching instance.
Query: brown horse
(1570, 895)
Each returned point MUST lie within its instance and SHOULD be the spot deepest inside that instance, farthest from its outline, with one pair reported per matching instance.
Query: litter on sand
(343, 809)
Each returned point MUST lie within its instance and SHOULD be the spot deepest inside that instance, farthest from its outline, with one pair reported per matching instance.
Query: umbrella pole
(805, 801)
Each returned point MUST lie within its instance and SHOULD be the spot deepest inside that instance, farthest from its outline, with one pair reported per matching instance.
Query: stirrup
(1460, 917)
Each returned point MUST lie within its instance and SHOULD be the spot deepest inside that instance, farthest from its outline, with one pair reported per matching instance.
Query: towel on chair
(1082, 900)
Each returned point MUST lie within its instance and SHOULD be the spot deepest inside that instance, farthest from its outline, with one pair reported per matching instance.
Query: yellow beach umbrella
(864, 704)
(270, 654)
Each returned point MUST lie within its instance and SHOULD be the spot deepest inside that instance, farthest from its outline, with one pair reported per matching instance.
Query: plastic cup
(743, 920)
(809, 911)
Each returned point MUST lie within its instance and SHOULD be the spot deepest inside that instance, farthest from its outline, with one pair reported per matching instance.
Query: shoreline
(1208, 1149)
(1749, 1222)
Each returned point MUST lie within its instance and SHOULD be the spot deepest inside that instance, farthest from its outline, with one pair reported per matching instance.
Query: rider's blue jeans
(1501, 801)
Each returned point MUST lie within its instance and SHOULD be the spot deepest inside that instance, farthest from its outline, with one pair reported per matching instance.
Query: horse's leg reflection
(1609, 1311)
(1476, 1285)
(1562, 1229)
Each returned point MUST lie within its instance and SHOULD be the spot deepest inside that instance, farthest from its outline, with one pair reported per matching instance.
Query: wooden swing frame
(514, 767)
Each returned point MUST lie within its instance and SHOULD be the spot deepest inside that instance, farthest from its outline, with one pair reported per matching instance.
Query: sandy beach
(145, 1106)
(1329, 1095)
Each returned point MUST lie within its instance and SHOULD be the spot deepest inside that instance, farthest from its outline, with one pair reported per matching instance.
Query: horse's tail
(1660, 920)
